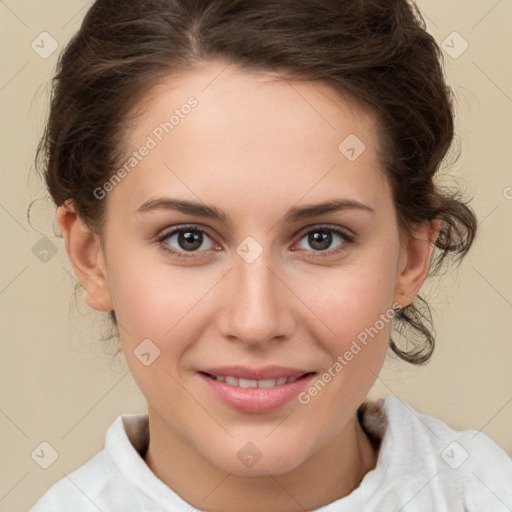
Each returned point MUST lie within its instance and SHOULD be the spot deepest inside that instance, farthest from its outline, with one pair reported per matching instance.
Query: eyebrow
(294, 214)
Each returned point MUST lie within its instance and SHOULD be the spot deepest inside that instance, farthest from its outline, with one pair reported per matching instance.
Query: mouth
(255, 383)
(251, 390)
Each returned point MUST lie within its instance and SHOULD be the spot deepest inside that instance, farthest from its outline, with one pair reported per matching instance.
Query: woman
(247, 188)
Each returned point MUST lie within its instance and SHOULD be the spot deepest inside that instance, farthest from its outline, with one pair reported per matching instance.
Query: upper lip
(266, 372)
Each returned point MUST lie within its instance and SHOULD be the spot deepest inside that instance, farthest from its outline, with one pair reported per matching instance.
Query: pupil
(189, 240)
(322, 238)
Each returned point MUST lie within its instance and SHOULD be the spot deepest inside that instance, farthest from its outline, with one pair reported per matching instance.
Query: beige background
(56, 382)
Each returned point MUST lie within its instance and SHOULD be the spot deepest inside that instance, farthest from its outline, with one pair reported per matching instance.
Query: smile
(251, 390)
(252, 383)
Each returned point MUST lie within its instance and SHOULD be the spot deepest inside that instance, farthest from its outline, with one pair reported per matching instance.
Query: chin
(247, 459)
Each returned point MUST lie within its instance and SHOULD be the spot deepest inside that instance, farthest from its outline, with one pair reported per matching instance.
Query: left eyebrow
(313, 210)
(293, 215)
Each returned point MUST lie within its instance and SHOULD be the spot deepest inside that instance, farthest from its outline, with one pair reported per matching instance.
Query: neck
(330, 474)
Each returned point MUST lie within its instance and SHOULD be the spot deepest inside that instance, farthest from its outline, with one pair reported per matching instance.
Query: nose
(258, 305)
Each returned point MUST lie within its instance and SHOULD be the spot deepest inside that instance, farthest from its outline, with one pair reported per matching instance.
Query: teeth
(268, 383)
(231, 380)
(246, 383)
(251, 383)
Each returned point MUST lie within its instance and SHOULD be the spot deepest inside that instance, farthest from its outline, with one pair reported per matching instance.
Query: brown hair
(378, 51)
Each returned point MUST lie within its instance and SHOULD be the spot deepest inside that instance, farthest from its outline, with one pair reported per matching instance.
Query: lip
(256, 400)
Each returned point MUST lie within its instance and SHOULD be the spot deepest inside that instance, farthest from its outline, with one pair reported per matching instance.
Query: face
(219, 262)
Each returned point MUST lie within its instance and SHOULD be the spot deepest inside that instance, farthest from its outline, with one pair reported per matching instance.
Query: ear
(86, 256)
(414, 261)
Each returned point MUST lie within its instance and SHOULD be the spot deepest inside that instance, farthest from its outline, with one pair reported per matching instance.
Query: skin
(254, 147)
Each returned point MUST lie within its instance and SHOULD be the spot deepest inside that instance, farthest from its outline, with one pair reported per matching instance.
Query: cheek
(359, 318)
(153, 299)
(162, 304)
(168, 306)
(353, 322)
(348, 301)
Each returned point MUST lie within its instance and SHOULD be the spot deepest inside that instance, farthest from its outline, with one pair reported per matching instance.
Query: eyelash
(345, 235)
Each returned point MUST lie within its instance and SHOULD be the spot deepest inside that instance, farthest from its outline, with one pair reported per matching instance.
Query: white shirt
(423, 465)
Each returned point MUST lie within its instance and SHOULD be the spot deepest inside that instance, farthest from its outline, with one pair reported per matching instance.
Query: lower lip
(256, 400)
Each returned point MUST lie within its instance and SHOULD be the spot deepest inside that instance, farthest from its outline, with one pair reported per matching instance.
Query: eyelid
(167, 232)
(329, 227)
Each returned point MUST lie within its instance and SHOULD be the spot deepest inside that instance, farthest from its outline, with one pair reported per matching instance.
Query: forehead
(251, 131)
(228, 91)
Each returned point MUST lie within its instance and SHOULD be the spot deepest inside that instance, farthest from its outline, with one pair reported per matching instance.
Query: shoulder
(446, 467)
(82, 490)
(98, 484)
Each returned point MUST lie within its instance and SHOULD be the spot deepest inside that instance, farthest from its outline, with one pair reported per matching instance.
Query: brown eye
(184, 240)
(190, 240)
(321, 239)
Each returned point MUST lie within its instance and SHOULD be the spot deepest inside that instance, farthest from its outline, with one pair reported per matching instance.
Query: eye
(185, 239)
(322, 238)
(191, 241)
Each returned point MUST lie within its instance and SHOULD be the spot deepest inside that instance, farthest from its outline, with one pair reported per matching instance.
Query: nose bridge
(256, 309)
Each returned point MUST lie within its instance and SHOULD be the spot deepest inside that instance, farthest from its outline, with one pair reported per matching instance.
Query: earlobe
(86, 256)
(415, 261)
